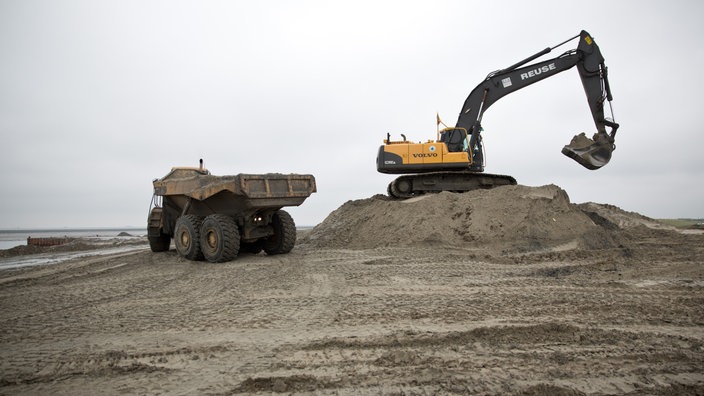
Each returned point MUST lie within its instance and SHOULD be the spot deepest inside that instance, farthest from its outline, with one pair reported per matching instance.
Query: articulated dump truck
(214, 218)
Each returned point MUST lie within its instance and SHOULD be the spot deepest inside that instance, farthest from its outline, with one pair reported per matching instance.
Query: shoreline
(13, 238)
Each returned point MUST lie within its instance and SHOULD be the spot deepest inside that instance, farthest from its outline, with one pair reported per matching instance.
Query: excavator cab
(458, 140)
(455, 139)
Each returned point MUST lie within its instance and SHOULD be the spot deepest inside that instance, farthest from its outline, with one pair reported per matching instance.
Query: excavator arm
(591, 153)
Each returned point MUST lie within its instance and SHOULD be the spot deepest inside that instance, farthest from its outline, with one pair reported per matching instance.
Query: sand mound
(611, 216)
(509, 218)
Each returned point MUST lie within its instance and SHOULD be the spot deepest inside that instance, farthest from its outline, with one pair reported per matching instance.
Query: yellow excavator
(455, 160)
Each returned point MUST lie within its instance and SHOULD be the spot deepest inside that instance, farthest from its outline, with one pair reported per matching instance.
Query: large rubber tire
(187, 237)
(219, 238)
(284, 234)
(159, 243)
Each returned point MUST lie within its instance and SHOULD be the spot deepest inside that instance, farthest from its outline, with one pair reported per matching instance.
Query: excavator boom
(590, 153)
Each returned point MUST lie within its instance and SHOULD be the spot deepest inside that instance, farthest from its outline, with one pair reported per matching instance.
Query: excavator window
(455, 139)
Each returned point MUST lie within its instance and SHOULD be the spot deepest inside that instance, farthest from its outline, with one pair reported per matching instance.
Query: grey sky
(97, 98)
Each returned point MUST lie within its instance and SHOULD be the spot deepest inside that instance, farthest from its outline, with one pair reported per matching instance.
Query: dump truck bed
(196, 191)
(246, 190)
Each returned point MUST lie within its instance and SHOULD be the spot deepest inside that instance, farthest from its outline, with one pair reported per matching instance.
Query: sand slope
(510, 218)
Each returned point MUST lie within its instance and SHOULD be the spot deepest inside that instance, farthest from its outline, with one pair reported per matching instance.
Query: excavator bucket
(590, 153)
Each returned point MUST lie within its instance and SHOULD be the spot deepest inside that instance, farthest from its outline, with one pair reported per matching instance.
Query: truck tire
(284, 234)
(187, 237)
(159, 243)
(219, 238)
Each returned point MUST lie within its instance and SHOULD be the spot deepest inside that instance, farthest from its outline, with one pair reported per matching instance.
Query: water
(55, 258)
(17, 237)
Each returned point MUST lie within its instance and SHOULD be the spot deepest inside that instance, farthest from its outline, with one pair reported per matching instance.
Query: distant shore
(10, 238)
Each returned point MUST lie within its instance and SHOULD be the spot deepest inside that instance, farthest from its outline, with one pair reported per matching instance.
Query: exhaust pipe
(590, 153)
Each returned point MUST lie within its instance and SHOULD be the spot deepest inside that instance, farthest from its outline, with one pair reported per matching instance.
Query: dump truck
(214, 218)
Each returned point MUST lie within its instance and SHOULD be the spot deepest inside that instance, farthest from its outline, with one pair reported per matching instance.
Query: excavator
(455, 160)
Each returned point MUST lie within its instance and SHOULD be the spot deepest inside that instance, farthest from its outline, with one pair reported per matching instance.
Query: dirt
(510, 218)
(507, 291)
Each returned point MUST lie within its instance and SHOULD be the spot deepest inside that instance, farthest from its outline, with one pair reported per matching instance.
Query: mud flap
(591, 154)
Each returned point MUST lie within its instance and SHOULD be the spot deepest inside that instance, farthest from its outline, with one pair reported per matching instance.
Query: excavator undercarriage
(408, 186)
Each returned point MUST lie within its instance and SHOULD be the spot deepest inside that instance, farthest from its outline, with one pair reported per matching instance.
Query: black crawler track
(408, 186)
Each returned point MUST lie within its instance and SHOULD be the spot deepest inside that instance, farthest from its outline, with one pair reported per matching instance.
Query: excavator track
(408, 186)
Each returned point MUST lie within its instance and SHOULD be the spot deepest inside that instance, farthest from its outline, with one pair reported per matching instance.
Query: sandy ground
(626, 317)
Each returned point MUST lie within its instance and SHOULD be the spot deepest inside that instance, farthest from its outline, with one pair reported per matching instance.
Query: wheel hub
(212, 239)
(185, 239)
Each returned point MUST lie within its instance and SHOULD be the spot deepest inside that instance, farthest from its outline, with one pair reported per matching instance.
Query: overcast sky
(98, 98)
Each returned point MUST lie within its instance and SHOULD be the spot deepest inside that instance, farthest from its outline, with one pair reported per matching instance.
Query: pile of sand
(508, 218)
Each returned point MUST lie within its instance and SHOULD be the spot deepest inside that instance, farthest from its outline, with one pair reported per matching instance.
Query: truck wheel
(219, 238)
(159, 243)
(284, 234)
(187, 237)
